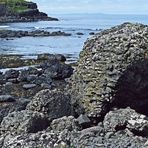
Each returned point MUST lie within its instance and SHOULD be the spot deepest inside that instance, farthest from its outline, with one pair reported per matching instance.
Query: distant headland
(21, 11)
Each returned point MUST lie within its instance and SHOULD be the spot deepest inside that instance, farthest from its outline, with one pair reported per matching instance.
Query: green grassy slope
(13, 6)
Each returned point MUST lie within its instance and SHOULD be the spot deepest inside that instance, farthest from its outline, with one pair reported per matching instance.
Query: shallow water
(71, 23)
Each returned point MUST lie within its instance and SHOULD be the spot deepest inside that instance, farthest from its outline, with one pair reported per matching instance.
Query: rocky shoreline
(36, 33)
(100, 102)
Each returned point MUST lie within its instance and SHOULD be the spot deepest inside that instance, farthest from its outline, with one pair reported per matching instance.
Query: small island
(21, 11)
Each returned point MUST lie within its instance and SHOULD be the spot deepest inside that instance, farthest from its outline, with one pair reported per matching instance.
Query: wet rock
(58, 57)
(58, 71)
(80, 33)
(91, 33)
(37, 33)
(10, 74)
(24, 122)
(54, 104)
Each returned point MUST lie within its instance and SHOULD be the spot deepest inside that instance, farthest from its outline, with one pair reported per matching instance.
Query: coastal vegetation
(14, 5)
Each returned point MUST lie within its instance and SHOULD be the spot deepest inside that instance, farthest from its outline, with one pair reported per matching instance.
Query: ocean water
(71, 23)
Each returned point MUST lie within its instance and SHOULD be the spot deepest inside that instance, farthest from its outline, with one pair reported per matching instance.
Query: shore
(101, 101)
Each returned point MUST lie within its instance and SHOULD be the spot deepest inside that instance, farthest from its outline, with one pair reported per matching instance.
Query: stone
(69, 123)
(110, 62)
(7, 98)
(126, 119)
(24, 122)
(56, 70)
(29, 86)
(10, 74)
(83, 120)
(58, 57)
(53, 103)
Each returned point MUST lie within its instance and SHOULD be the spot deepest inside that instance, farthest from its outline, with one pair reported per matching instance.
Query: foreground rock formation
(21, 11)
(103, 104)
(112, 70)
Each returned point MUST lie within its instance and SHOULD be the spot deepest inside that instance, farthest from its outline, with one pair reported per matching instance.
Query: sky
(94, 6)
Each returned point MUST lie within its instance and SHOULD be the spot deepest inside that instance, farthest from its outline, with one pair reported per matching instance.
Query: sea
(70, 46)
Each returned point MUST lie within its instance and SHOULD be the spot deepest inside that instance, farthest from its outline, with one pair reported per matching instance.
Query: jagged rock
(83, 120)
(10, 104)
(7, 98)
(104, 62)
(65, 123)
(10, 74)
(24, 122)
(54, 104)
(56, 70)
(33, 140)
(58, 57)
(126, 118)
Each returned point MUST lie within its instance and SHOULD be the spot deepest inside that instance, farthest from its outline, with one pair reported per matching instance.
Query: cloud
(94, 6)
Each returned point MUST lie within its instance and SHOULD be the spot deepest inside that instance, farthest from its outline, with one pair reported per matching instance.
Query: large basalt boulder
(24, 122)
(103, 63)
(54, 104)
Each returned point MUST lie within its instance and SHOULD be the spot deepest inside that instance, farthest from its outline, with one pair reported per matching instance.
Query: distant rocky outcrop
(21, 11)
(37, 33)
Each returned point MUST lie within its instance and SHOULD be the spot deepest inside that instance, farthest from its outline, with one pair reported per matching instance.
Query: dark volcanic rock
(24, 122)
(83, 120)
(51, 57)
(56, 70)
(37, 33)
(126, 118)
(10, 74)
(103, 67)
(7, 98)
(54, 104)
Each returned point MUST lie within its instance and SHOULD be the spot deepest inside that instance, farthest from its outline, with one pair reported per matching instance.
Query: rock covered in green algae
(103, 60)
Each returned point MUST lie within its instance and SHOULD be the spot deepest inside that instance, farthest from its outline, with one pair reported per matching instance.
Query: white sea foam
(4, 26)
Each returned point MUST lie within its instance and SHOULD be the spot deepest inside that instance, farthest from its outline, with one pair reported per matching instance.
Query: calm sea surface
(71, 23)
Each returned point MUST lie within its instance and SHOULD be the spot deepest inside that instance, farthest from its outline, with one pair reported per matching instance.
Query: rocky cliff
(20, 10)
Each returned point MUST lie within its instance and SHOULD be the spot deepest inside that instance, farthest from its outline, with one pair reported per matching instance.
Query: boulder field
(99, 103)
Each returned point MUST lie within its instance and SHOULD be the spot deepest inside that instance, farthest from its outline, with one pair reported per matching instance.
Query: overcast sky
(94, 6)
